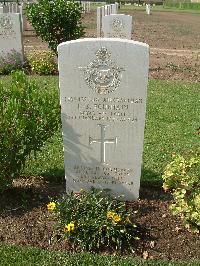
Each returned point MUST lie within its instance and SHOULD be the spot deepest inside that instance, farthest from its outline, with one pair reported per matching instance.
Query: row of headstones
(86, 7)
(115, 25)
(12, 24)
(104, 11)
(103, 86)
(10, 8)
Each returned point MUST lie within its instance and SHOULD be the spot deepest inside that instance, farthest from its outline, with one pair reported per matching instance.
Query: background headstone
(117, 26)
(148, 9)
(103, 102)
(10, 34)
(103, 11)
(4, 9)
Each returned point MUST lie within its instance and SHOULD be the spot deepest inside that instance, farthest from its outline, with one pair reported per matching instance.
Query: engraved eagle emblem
(117, 24)
(6, 23)
(102, 75)
(6, 27)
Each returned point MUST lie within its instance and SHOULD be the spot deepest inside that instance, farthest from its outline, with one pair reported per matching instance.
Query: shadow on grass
(54, 175)
(151, 186)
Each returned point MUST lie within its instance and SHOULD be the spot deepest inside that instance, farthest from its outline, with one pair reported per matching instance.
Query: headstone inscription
(117, 26)
(10, 34)
(103, 102)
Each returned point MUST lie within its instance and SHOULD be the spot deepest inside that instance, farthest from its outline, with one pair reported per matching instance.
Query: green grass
(171, 120)
(159, 8)
(21, 256)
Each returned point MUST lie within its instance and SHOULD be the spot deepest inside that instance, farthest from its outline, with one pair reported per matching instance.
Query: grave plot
(103, 105)
(174, 55)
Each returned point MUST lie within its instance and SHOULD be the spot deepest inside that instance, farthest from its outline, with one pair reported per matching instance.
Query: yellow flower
(110, 214)
(117, 218)
(69, 227)
(51, 206)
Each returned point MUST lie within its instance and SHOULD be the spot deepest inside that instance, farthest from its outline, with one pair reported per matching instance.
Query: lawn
(167, 8)
(171, 123)
(18, 256)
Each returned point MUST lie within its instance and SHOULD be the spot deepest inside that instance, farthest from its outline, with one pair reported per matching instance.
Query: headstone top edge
(103, 41)
(118, 15)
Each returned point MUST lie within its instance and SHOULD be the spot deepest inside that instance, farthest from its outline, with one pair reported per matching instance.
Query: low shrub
(181, 177)
(29, 116)
(42, 62)
(92, 220)
(10, 61)
(56, 21)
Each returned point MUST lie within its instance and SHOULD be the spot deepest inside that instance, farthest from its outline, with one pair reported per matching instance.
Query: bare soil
(174, 40)
(25, 221)
(173, 37)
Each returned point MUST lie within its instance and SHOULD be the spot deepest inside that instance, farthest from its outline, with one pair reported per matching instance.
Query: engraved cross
(103, 141)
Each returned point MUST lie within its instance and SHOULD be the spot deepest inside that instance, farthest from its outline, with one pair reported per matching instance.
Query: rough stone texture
(103, 85)
(117, 26)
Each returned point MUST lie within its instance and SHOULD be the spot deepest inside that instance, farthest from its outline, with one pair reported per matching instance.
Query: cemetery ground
(174, 39)
(25, 221)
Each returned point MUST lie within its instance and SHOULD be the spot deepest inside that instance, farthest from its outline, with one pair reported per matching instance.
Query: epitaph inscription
(101, 174)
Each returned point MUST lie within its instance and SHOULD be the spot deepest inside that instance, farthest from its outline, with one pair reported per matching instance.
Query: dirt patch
(25, 221)
(174, 40)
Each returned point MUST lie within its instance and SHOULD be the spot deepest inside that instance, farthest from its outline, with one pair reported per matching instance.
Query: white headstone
(117, 7)
(10, 34)
(99, 21)
(103, 102)
(4, 9)
(148, 9)
(103, 11)
(113, 9)
(117, 26)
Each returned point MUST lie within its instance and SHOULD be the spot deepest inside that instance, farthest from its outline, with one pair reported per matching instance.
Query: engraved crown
(103, 54)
